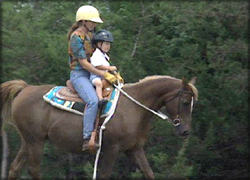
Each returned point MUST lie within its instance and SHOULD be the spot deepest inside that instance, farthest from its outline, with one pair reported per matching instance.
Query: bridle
(177, 121)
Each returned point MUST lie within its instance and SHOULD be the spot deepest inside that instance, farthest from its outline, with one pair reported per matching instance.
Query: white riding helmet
(88, 13)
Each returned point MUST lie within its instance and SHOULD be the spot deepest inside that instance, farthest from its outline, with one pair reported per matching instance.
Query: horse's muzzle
(182, 130)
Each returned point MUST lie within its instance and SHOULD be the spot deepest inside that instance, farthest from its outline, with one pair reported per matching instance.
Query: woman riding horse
(80, 50)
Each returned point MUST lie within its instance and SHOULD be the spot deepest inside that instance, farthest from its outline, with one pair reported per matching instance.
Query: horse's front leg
(138, 155)
(107, 160)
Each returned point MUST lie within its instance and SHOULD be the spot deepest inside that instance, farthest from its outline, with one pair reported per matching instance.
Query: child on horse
(102, 41)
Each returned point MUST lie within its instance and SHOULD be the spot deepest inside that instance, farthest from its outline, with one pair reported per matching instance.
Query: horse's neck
(150, 92)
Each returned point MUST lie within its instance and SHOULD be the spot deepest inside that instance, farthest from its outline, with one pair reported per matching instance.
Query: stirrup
(102, 102)
(85, 145)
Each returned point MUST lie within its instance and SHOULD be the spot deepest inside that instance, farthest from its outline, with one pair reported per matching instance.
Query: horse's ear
(184, 82)
(193, 80)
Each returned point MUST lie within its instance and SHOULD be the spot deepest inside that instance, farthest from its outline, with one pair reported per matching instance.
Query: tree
(203, 39)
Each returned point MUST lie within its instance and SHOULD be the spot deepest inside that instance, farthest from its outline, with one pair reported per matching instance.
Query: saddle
(70, 94)
(66, 98)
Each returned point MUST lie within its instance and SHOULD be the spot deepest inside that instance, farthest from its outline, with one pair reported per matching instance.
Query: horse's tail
(8, 91)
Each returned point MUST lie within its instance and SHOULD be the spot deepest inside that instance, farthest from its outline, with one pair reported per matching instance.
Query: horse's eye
(186, 102)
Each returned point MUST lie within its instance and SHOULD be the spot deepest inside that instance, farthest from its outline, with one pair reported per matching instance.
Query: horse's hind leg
(19, 161)
(31, 153)
(35, 152)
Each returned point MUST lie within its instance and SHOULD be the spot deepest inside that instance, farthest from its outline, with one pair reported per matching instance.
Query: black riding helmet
(103, 35)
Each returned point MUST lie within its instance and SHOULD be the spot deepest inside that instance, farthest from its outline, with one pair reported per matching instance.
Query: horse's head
(179, 105)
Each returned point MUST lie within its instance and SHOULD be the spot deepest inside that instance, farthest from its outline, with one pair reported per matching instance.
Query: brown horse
(37, 121)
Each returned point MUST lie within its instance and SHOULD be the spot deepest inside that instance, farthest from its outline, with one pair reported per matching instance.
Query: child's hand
(112, 68)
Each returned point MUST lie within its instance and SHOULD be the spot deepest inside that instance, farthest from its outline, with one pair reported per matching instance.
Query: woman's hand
(112, 68)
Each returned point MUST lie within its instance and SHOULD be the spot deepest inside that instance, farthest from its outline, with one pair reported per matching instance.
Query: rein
(159, 114)
(176, 122)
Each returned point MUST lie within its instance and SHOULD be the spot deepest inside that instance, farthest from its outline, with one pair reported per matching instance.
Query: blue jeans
(83, 86)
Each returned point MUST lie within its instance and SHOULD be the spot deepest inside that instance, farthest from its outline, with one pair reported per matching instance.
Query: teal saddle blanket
(53, 98)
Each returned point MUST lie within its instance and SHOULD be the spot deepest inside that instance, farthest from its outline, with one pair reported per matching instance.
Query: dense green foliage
(180, 39)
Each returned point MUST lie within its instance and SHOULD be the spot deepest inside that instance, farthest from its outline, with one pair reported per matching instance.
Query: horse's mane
(160, 77)
(149, 78)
